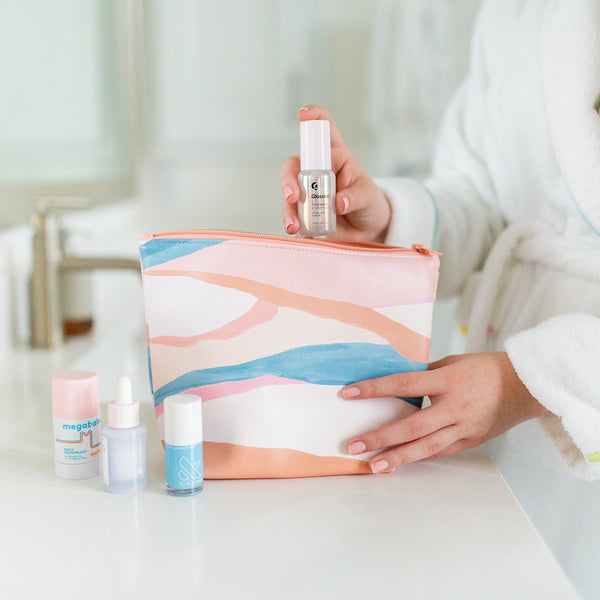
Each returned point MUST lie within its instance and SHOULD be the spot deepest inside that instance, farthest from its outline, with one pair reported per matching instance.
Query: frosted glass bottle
(124, 444)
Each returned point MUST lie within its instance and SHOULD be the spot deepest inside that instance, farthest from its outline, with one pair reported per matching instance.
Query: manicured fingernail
(288, 222)
(304, 108)
(345, 203)
(287, 192)
(356, 447)
(380, 465)
(351, 392)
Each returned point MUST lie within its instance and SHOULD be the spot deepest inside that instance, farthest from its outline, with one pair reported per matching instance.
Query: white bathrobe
(513, 203)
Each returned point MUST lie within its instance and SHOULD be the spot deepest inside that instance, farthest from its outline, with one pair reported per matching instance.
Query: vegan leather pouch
(268, 329)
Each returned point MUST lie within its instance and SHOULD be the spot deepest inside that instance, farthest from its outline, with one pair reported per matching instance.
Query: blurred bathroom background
(168, 114)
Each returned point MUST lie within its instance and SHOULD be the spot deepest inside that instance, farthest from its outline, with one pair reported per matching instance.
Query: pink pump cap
(75, 395)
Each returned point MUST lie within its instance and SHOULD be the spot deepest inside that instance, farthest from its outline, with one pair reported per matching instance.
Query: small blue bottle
(183, 445)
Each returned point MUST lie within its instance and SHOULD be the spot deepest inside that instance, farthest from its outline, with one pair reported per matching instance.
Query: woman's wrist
(532, 408)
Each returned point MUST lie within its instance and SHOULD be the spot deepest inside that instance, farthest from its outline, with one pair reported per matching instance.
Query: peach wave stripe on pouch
(183, 306)
(260, 312)
(230, 461)
(406, 342)
(285, 267)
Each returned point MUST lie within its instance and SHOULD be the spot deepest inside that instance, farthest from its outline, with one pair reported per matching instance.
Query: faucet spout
(48, 263)
(43, 287)
(91, 263)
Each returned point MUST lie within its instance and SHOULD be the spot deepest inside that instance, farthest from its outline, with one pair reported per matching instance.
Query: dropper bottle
(124, 443)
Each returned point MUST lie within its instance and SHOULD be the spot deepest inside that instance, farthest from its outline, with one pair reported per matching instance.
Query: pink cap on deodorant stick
(75, 395)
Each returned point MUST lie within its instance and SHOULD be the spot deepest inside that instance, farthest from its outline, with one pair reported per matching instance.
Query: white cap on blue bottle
(183, 420)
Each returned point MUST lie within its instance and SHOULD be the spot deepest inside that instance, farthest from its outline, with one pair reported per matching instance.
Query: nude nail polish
(356, 447)
(379, 466)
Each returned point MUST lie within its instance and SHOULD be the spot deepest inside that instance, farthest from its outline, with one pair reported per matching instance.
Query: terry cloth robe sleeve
(558, 361)
(455, 211)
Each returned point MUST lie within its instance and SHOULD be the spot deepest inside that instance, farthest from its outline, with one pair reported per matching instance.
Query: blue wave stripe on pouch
(157, 252)
(149, 368)
(327, 364)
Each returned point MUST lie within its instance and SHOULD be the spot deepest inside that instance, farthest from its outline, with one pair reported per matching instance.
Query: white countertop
(442, 529)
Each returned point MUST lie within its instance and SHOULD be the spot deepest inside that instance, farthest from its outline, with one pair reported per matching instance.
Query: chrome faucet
(49, 261)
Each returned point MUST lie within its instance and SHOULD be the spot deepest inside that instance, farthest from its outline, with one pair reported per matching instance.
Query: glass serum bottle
(316, 206)
(124, 444)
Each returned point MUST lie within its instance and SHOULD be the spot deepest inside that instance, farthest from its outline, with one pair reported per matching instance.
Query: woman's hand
(474, 398)
(363, 210)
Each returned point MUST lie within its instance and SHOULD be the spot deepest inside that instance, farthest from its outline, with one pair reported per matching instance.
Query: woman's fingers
(289, 179)
(422, 448)
(416, 426)
(340, 154)
(408, 385)
(312, 112)
(446, 361)
(365, 206)
(356, 197)
(454, 448)
(291, 194)
(290, 218)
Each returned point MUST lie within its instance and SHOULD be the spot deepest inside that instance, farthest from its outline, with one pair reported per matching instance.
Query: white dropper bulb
(123, 412)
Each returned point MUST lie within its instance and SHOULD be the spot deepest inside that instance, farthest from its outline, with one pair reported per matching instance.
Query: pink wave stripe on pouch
(261, 312)
(285, 267)
(230, 388)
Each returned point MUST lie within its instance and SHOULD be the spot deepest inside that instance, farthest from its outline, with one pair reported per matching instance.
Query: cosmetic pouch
(268, 329)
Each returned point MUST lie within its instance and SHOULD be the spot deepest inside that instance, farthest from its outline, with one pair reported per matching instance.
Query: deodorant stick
(76, 412)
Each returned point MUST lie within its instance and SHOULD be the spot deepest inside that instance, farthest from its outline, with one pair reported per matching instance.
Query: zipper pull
(426, 251)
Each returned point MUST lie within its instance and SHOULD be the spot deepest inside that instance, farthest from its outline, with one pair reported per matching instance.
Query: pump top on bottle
(315, 146)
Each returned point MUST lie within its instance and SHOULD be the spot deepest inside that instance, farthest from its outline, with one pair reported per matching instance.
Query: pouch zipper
(226, 234)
